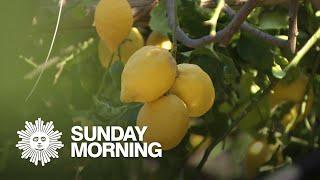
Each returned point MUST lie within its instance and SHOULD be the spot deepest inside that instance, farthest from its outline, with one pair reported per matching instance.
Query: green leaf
(159, 20)
(192, 18)
(89, 71)
(115, 72)
(277, 72)
(271, 20)
(255, 52)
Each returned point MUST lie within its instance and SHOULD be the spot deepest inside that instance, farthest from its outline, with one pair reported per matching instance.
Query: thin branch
(215, 16)
(237, 21)
(293, 25)
(253, 103)
(193, 43)
(257, 33)
(316, 4)
(296, 60)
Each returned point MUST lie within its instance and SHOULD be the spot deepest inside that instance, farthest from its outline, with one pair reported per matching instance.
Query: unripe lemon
(148, 74)
(113, 21)
(195, 88)
(293, 91)
(160, 40)
(166, 119)
(131, 44)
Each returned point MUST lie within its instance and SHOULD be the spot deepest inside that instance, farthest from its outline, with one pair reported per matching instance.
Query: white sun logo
(39, 142)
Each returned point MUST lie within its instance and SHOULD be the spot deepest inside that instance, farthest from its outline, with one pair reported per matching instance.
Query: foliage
(76, 89)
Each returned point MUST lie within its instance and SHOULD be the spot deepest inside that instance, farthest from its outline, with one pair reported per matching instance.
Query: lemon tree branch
(256, 99)
(223, 36)
(300, 54)
(293, 25)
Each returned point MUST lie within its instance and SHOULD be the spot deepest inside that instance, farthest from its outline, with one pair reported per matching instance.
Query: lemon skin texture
(259, 152)
(131, 44)
(148, 74)
(160, 40)
(105, 55)
(293, 91)
(167, 121)
(113, 21)
(195, 88)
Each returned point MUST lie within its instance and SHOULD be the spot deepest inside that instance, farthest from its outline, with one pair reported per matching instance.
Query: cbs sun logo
(39, 142)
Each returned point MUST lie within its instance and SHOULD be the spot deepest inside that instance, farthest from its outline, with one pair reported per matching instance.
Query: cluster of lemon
(260, 151)
(171, 93)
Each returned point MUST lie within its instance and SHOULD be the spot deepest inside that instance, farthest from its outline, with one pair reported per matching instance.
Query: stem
(222, 36)
(254, 102)
(296, 60)
(215, 16)
(293, 25)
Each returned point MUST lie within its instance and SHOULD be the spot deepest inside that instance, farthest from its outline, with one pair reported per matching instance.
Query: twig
(293, 25)
(316, 4)
(304, 50)
(257, 33)
(215, 16)
(254, 102)
(222, 36)
(237, 21)
(227, 32)
(42, 67)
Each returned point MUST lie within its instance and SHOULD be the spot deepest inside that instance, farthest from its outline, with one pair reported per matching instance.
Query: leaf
(277, 72)
(159, 20)
(89, 72)
(274, 20)
(192, 18)
(255, 52)
(115, 72)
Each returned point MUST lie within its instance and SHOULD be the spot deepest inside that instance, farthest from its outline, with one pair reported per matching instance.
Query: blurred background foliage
(75, 89)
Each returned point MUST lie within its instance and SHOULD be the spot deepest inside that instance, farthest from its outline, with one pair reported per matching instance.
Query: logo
(39, 142)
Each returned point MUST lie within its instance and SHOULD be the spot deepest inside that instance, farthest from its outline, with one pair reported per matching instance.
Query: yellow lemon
(105, 55)
(288, 121)
(148, 74)
(160, 40)
(259, 152)
(195, 88)
(131, 44)
(113, 21)
(166, 119)
(293, 91)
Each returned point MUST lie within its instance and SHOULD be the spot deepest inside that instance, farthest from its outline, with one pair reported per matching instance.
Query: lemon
(132, 43)
(259, 152)
(160, 40)
(148, 74)
(289, 119)
(195, 88)
(293, 91)
(113, 21)
(166, 119)
(105, 55)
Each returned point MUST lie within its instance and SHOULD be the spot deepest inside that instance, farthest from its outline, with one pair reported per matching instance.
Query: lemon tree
(230, 89)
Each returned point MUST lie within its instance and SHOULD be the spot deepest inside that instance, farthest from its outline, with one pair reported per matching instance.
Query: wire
(49, 53)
